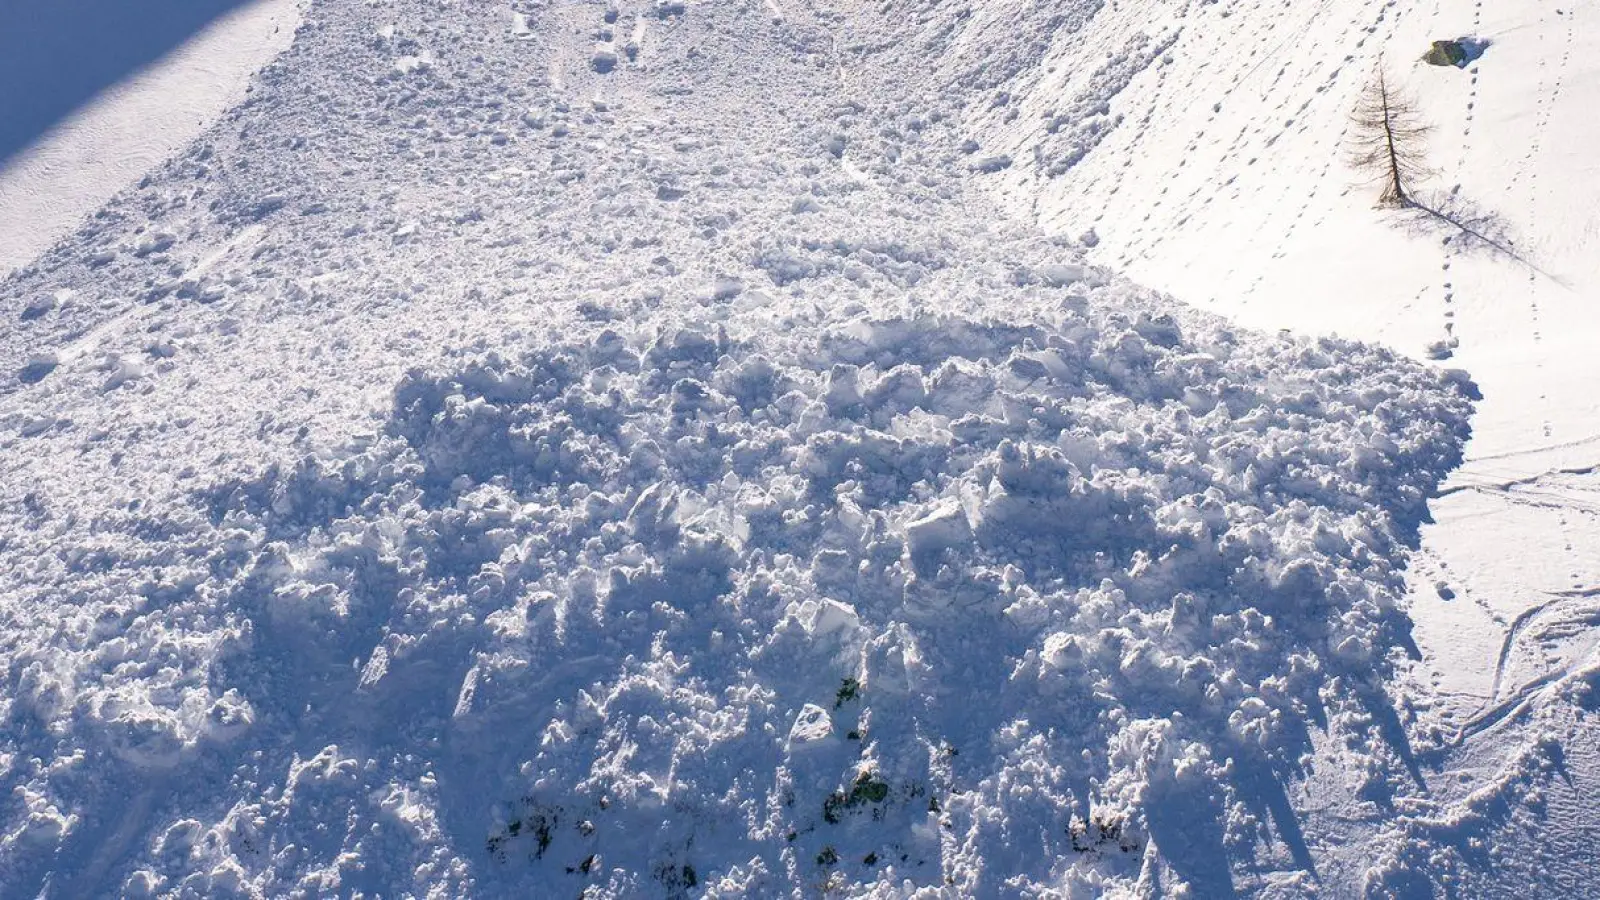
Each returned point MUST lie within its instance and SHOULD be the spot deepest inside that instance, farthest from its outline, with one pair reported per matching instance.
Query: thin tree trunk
(1388, 135)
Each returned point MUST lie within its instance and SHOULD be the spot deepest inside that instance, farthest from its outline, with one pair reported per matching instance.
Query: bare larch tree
(1388, 139)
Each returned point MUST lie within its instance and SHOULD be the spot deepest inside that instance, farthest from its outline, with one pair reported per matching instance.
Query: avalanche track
(626, 450)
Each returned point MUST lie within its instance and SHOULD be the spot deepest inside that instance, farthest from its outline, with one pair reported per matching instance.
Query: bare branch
(1389, 139)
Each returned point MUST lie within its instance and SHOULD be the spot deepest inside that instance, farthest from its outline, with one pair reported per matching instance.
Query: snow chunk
(124, 368)
(824, 617)
(991, 164)
(945, 526)
(813, 727)
(40, 364)
(1061, 274)
(410, 63)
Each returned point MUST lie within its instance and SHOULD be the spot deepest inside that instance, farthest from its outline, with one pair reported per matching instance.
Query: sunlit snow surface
(566, 450)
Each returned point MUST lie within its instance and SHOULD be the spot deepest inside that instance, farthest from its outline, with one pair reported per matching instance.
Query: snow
(1219, 174)
(653, 449)
(55, 172)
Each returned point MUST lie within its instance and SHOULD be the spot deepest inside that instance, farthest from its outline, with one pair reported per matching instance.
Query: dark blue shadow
(1473, 47)
(1186, 824)
(56, 55)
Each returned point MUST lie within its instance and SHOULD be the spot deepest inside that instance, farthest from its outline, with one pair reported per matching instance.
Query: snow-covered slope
(54, 174)
(1203, 148)
(625, 450)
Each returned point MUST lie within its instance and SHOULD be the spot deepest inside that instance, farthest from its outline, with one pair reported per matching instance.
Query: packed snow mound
(930, 601)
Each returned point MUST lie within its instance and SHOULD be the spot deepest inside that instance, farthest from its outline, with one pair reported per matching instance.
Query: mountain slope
(1203, 149)
(626, 450)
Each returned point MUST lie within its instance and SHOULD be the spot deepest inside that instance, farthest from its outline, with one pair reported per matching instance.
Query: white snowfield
(685, 449)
